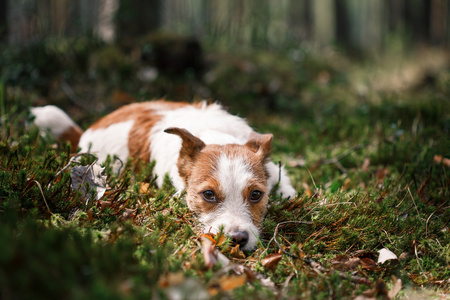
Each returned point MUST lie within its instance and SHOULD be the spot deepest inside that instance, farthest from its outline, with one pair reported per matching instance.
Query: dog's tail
(53, 120)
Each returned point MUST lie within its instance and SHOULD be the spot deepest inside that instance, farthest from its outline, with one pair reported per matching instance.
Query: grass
(365, 166)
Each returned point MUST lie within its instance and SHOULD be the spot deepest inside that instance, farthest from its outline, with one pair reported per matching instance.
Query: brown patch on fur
(135, 110)
(72, 135)
(261, 144)
(145, 116)
(139, 136)
(202, 177)
(257, 209)
(190, 149)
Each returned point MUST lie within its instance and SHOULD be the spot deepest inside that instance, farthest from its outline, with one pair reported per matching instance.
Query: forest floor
(366, 143)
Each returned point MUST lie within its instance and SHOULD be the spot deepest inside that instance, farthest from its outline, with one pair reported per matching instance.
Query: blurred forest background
(358, 25)
(269, 52)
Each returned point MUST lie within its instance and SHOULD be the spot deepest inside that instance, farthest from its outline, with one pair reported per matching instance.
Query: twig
(312, 178)
(333, 204)
(426, 224)
(386, 235)
(276, 233)
(121, 164)
(43, 197)
(279, 171)
(415, 205)
(417, 258)
(428, 219)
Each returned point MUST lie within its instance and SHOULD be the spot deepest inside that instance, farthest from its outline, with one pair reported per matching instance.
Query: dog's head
(226, 184)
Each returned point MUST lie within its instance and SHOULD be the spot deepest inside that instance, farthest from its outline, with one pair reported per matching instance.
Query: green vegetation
(368, 161)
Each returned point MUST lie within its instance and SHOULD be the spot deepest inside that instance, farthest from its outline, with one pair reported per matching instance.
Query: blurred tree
(136, 18)
(300, 19)
(438, 26)
(324, 22)
(21, 21)
(359, 25)
(3, 18)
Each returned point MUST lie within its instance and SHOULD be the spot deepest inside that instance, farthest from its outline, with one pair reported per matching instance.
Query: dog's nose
(239, 237)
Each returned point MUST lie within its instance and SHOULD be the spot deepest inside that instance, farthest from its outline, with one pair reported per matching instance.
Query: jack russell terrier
(223, 164)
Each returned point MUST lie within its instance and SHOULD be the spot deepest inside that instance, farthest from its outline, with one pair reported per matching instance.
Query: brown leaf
(171, 279)
(307, 189)
(90, 214)
(339, 259)
(227, 283)
(271, 261)
(381, 174)
(128, 214)
(343, 263)
(346, 184)
(368, 264)
(421, 192)
(236, 252)
(438, 159)
(103, 204)
(209, 236)
(143, 188)
(220, 239)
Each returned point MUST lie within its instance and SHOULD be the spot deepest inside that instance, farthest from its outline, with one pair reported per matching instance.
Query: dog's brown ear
(261, 144)
(190, 148)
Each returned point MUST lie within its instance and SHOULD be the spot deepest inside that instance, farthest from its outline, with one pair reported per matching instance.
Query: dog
(222, 164)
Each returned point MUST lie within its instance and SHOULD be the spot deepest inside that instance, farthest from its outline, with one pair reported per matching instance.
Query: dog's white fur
(209, 123)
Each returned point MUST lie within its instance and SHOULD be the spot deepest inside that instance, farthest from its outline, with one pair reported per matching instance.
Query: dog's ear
(190, 148)
(261, 144)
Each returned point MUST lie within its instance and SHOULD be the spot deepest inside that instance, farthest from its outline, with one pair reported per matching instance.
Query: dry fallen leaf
(381, 174)
(215, 238)
(307, 189)
(143, 188)
(422, 190)
(346, 184)
(91, 175)
(368, 264)
(236, 252)
(128, 214)
(171, 279)
(209, 236)
(271, 261)
(386, 254)
(438, 159)
(103, 204)
(342, 262)
(227, 283)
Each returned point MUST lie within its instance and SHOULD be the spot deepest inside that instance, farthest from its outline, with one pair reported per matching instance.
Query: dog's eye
(209, 196)
(256, 196)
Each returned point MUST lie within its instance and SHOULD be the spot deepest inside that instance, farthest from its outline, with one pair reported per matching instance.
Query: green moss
(361, 161)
